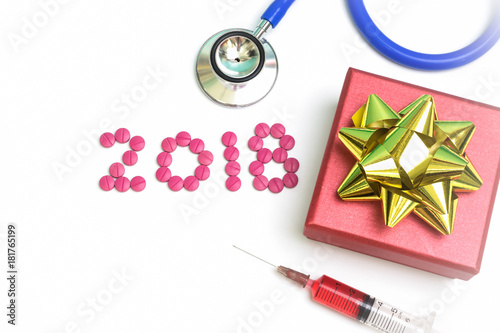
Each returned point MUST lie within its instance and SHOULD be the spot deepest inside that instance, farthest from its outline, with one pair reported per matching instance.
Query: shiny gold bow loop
(409, 161)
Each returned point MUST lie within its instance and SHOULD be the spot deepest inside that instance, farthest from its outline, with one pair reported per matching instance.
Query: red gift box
(359, 226)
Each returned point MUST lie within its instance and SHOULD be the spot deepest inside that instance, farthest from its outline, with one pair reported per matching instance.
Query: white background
(182, 274)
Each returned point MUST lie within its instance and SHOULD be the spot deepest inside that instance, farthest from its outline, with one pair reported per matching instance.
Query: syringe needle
(288, 272)
(267, 262)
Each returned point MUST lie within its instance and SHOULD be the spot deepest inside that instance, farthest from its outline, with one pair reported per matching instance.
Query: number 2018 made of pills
(117, 180)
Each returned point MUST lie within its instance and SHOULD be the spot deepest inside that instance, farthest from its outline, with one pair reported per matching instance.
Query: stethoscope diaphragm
(236, 69)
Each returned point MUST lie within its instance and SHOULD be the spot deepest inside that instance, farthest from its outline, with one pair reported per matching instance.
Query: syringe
(355, 304)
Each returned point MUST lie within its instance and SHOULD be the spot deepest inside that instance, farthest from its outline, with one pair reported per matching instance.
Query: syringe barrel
(366, 309)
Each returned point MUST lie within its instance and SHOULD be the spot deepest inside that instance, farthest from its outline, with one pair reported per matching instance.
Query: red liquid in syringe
(338, 296)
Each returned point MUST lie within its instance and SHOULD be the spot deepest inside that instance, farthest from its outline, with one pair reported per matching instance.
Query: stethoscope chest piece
(236, 68)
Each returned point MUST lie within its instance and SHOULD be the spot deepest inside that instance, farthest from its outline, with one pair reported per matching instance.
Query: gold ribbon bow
(410, 161)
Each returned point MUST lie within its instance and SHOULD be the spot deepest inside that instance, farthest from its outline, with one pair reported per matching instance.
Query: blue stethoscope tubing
(417, 60)
(276, 11)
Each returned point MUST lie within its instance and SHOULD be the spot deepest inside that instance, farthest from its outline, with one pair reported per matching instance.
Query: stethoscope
(238, 68)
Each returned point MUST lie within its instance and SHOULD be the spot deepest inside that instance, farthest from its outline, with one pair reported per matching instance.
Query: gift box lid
(359, 226)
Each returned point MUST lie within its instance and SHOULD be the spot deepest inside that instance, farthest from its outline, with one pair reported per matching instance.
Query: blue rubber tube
(276, 11)
(417, 60)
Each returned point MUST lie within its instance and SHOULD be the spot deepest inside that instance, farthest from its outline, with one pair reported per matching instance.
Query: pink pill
(233, 168)
(255, 143)
(122, 135)
(287, 142)
(107, 183)
(202, 172)
(292, 165)
(277, 131)
(137, 143)
(229, 139)
(276, 185)
(130, 157)
(231, 153)
(233, 183)
(260, 183)
(264, 155)
(107, 140)
(290, 180)
(164, 159)
(163, 174)
(138, 183)
(191, 183)
(205, 157)
(175, 183)
(196, 146)
(183, 139)
(116, 170)
(169, 145)
(256, 168)
(280, 155)
(262, 130)
(122, 184)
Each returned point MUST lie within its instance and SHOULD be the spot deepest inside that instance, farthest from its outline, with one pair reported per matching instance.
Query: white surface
(70, 76)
